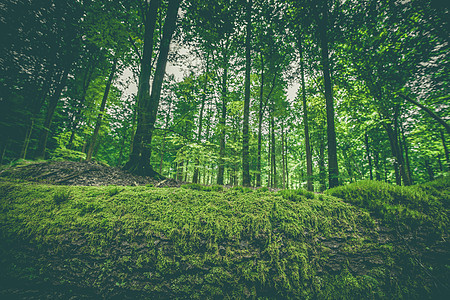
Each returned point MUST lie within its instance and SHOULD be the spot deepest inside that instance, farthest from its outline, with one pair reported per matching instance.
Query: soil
(85, 173)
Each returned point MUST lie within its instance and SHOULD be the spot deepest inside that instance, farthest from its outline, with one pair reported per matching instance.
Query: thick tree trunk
(53, 102)
(139, 162)
(102, 111)
(398, 157)
(369, 158)
(246, 180)
(333, 171)
(143, 96)
(406, 150)
(309, 170)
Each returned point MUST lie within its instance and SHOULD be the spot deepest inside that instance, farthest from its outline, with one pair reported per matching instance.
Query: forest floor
(84, 173)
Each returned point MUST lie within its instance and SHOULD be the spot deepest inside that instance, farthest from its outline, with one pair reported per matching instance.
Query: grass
(205, 242)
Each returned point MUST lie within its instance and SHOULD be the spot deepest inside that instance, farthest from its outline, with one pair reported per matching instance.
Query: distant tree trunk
(395, 153)
(273, 154)
(377, 166)
(333, 171)
(52, 103)
(246, 180)
(3, 147)
(222, 119)
(260, 118)
(444, 144)
(102, 111)
(180, 170)
(429, 169)
(283, 158)
(322, 170)
(195, 178)
(309, 170)
(369, 158)
(405, 148)
(87, 79)
(286, 143)
(139, 162)
(269, 159)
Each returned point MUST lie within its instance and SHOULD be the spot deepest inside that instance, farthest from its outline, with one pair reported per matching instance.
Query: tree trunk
(102, 111)
(377, 166)
(309, 171)
(246, 180)
(274, 165)
(283, 159)
(260, 118)
(407, 164)
(333, 171)
(398, 161)
(53, 102)
(139, 162)
(322, 170)
(195, 178)
(369, 158)
(444, 144)
(222, 119)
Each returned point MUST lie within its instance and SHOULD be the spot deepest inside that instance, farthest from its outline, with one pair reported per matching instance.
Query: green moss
(192, 242)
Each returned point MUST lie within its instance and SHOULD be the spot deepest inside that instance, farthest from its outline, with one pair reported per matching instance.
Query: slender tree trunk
(309, 170)
(140, 158)
(286, 143)
(377, 166)
(53, 102)
(222, 119)
(195, 178)
(395, 150)
(273, 154)
(246, 180)
(369, 158)
(87, 78)
(283, 157)
(269, 159)
(407, 164)
(322, 170)
(429, 169)
(260, 118)
(444, 144)
(333, 171)
(102, 111)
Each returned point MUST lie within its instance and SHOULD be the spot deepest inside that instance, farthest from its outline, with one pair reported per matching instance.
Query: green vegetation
(233, 243)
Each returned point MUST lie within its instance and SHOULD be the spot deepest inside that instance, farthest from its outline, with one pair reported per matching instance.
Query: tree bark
(102, 111)
(309, 170)
(260, 117)
(195, 178)
(444, 144)
(222, 119)
(53, 102)
(369, 158)
(139, 162)
(246, 180)
(333, 171)
(273, 157)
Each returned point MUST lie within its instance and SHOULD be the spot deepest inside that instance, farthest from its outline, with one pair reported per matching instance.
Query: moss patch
(143, 242)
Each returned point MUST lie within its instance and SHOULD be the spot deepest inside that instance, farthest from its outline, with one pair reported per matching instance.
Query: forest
(173, 149)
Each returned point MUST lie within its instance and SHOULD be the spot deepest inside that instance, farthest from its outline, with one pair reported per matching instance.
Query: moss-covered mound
(145, 242)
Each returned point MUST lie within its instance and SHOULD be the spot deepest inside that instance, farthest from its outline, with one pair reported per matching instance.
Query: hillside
(140, 242)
